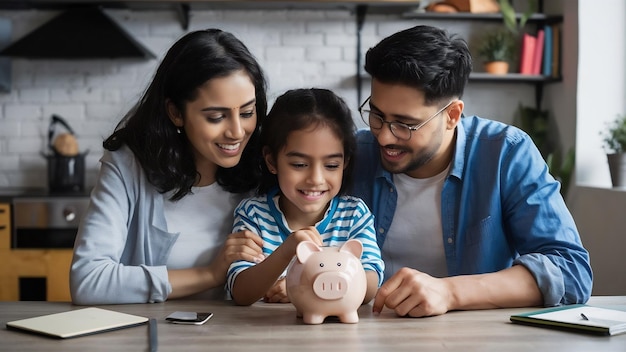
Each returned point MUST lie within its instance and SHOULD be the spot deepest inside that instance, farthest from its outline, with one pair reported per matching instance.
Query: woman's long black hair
(165, 155)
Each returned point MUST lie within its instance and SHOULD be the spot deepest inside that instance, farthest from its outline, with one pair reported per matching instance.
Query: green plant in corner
(614, 137)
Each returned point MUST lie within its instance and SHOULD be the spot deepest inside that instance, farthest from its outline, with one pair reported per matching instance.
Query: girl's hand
(308, 233)
(277, 293)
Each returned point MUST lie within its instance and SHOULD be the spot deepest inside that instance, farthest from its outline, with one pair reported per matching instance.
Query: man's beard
(415, 163)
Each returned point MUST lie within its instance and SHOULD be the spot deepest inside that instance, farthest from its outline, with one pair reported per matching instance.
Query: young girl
(308, 142)
(172, 173)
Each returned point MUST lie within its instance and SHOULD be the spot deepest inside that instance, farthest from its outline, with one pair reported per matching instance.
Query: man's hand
(412, 293)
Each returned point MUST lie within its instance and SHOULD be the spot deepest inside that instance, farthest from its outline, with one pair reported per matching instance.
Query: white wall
(601, 94)
(601, 83)
(297, 48)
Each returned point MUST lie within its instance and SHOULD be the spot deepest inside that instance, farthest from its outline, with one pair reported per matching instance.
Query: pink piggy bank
(327, 281)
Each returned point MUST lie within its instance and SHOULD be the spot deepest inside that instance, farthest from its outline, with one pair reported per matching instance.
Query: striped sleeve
(244, 220)
(254, 214)
(354, 220)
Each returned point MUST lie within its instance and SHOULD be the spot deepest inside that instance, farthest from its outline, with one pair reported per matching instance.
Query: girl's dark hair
(422, 57)
(166, 156)
(299, 109)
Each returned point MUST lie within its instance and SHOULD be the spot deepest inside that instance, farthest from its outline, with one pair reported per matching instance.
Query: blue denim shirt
(499, 207)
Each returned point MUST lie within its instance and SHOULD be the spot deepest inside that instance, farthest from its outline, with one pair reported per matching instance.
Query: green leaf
(532, 8)
(509, 16)
(614, 137)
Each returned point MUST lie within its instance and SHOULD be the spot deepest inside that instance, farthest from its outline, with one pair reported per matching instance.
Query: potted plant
(614, 138)
(497, 49)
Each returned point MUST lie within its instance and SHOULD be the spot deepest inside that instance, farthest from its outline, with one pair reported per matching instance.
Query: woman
(172, 172)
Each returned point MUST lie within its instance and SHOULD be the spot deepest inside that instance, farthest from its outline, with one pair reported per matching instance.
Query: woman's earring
(178, 130)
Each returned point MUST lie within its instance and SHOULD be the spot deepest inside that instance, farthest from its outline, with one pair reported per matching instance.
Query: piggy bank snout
(331, 285)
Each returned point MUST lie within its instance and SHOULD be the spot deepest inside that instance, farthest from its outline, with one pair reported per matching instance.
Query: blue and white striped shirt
(346, 218)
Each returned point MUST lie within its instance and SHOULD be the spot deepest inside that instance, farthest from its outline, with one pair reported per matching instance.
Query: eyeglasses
(398, 129)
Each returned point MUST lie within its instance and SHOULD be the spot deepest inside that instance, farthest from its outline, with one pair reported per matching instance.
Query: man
(467, 214)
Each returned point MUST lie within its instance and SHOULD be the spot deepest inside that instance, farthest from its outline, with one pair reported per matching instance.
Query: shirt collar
(460, 141)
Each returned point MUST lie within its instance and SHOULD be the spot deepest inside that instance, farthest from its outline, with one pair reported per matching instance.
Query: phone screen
(193, 318)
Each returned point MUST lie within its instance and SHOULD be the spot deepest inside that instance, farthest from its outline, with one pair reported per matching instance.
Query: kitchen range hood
(78, 33)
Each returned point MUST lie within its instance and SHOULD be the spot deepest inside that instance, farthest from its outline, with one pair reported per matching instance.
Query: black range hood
(78, 33)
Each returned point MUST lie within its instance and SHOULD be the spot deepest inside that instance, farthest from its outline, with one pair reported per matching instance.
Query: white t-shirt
(204, 219)
(415, 237)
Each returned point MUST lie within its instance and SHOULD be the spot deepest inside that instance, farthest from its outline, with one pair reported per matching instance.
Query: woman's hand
(242, 245)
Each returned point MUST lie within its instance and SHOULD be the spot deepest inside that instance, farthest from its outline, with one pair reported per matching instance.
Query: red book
(536, 70)
(528, 54)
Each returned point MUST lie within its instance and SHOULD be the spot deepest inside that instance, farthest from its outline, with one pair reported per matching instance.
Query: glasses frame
(396, 124)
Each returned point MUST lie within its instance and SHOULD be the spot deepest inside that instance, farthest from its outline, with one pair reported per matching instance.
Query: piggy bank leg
(350, 317)
(310, 318)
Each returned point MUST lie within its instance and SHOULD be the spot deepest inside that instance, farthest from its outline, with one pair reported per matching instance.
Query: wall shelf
(537, 19)
(511, 78)
(392, 6)
(404, 9)
(465, 16)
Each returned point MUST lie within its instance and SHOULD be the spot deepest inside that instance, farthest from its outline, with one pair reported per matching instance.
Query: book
(547, 52)
(576, 317)
(538, 54)
(80, 322)
(528, 53)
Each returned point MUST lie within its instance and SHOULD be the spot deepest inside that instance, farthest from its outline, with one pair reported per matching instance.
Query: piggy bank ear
(355, 247)
(305, 249)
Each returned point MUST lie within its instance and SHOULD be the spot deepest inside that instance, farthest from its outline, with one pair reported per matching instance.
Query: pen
(594, 320)
(154, 337)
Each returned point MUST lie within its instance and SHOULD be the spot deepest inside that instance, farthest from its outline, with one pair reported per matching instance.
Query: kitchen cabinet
(51, 267)
(5, 226)
(19, 267)
(7, 284)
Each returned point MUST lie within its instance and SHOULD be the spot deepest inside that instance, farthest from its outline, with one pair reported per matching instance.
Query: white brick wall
(297, 48)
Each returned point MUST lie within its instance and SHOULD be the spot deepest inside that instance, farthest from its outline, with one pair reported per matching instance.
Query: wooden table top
(274, 327)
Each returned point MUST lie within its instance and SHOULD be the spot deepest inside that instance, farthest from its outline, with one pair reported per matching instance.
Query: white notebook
(78, 322)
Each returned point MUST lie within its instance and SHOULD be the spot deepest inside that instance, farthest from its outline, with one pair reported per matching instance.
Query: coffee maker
(66, 165)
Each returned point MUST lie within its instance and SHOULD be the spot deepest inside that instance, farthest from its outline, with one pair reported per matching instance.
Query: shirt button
(381, 230)
(390, 190)
(449, 240)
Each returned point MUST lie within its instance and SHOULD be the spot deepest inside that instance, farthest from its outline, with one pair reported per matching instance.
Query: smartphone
(193, 318)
